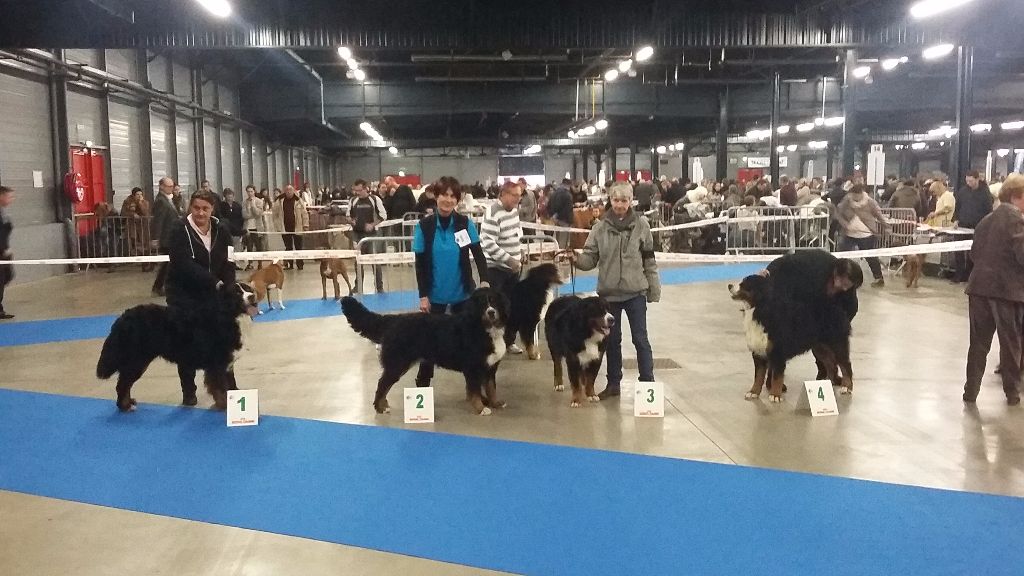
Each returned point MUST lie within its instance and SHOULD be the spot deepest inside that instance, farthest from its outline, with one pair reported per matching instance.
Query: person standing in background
(366, 212)
(231, 213)
(500, 234)
(252, 220)
(178, 201)
(165, 214)
(861, 221)
(6, 255)
(528, 206)
(973, 202)
(290, 216)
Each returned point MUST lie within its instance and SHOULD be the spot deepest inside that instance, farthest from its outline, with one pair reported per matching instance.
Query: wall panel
(125, 147)
(25, 148)
(184, 141)
(162, 144)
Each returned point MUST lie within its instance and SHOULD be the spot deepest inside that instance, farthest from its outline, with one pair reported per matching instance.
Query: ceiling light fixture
(344, 52)
(780, 148)
(1002, 152)
(359, 75)
(929, 8)
(660, 150)
(784, 129)
(791, 148)
(919, 145)
(981, 128)
(352, 64)
(1016, 125)
(817, 144)
(680, 146)
(834, 121)
(534, 149)
(805, 127)
(393, 150)
(625, 65)
(644, 53)
(601, 124)
(611, 75)
(219, 8)
(937, 51)
(890, 63)
(861, 71)
(572, 134)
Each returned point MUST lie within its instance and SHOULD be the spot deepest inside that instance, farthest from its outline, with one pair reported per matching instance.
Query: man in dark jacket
(164, 217)
(403, 201)
(995, 293)
(6, 270)
(644, 193)
(973, 202)
(815, 276)
(787, 192)
(231, 213)
(199, 264)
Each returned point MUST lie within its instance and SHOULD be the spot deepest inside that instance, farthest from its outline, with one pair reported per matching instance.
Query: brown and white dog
(331, 268)
(264, 279)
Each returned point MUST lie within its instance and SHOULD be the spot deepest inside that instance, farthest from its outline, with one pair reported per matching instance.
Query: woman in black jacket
(402, 202)
(198, 266)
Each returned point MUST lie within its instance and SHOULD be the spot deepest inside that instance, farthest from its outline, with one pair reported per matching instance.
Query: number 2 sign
(419, 405)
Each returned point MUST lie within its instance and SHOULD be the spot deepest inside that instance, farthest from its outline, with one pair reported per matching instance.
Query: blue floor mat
(512, 506)
(90, 327)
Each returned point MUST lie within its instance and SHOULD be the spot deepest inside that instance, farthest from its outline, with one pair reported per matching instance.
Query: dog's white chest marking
(498, 341)
(549, 297)
(590, 353)
(757, 338)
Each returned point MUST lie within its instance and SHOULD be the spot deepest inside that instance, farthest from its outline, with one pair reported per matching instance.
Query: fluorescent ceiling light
(890, 63)
(393, 150)
(805, 127)
(937, 51)
(928, 8)
(780, 148)
(1002, 152)
(219, 8)
(981, 128)
(572, 134)
(644, 53)
(919, 145)
(611, 75)
(817, 144)
(352, 64)
(359, 75)
(660, 149)
(601, 124)
(365, 126)
(625, 65)
(861, 71)
(946, 131)
(672, 147)
(834, 121)
(680, 146)
(819, 121)
(759, 134)
(532, 149)
(344, 52)
(784, 129)
(1017, 125)
(791, 148)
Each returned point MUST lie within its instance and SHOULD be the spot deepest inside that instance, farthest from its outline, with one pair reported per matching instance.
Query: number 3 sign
(649, 400)
(419, 405)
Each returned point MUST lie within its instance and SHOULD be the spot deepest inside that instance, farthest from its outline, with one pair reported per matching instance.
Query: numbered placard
(649, 400)
(819, 398)
(419, 405)
(243, 408)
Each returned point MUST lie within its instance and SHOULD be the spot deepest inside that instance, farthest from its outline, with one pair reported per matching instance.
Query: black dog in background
(204, 339)
(528, 299)
(471, 341)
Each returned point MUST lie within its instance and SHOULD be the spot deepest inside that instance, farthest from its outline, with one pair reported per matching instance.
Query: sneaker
(880, 283)
(515, 349)
(609, 392)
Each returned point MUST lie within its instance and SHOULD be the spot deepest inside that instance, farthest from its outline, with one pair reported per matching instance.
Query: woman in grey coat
(621, 247)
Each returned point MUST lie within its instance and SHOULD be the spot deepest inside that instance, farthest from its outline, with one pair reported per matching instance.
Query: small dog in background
(913, 266)
(332, 268)
(264, 279)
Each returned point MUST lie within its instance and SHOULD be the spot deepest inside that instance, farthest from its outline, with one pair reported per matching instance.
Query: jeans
(869, 243)
(636, 312)
(370, 248)
(426, 370)
(1006, 320)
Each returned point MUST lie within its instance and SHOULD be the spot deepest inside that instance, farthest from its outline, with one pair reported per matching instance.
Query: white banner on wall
(698, 171)
(766, 162)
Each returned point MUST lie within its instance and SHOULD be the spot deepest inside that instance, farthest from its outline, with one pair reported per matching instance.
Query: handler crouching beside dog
(198, 265)
(621, 246)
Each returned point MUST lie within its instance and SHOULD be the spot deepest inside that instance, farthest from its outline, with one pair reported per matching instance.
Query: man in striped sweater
(500, 234)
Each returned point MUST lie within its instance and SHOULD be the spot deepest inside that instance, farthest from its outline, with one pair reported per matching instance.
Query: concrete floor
(905, 423)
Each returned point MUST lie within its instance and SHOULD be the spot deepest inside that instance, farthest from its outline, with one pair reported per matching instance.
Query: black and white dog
(204, 340)
(529, 298)
(576, 330)
(471, 342)
(778, 329)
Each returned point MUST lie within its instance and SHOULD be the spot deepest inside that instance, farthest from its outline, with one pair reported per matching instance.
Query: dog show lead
(442, 243)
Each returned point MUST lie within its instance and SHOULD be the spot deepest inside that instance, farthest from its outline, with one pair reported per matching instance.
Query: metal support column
(198, 133)
(684, 159)
(722, 137)
(830, 161)
(585, 155)
(773, 140)
(849, 147)
(613, 164)
(655, 165)
(632, 161)
(60, 141)
(964, 113)
(145, 127)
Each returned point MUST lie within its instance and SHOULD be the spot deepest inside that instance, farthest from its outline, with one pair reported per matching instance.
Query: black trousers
(501, 280)
(6, 275)
(426, 371)
(161, 273)
(293, 242)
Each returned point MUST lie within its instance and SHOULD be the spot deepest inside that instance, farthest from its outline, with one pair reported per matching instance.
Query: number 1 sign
(243, 408)
(419, 405)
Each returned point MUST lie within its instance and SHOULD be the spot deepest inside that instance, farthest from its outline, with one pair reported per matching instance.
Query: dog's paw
(260, 313)
(751, 396)
(559, 387)
(534, 356)
(574, 404)
(843, 390)
(486, 411)
(594, 398)
(282, 306)
(774, 399)
(499, 404)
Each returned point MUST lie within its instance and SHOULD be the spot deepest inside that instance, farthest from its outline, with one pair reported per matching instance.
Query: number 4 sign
(243, 408)
(819, 398)
(649, 400)
(419, 405)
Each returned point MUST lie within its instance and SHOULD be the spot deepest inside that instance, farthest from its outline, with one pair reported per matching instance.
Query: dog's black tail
(367, 324)
(110, 357)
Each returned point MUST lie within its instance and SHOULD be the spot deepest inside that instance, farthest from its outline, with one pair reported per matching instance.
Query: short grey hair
(623, 189)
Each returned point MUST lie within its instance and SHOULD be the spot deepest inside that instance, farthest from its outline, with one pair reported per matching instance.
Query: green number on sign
(241, 401)
(821, 393)
(419, 401)
(650, 395)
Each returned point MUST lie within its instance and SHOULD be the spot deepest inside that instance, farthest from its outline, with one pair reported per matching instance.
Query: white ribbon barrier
(551, 228)
(291, 255)
(338, 228)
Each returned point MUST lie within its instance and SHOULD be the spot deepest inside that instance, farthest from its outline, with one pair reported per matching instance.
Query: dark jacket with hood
(193, 272)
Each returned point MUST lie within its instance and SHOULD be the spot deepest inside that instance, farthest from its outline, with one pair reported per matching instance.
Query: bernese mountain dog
(576, 330)
(528, 299)
(204, 339)
(471, 342)
(779, 329)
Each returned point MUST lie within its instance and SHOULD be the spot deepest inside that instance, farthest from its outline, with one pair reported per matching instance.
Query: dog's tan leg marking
(760, 371)
(775, 391)
(559, 383)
